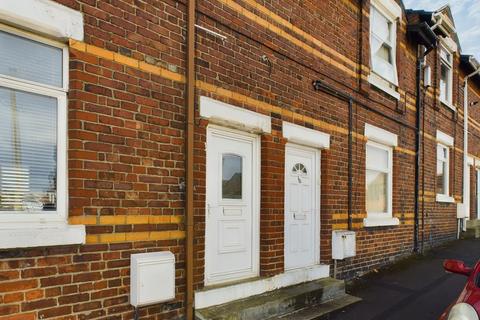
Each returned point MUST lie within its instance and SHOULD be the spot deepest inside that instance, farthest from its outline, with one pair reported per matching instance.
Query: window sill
(382, 84)
(445, 198)
(380, 222)
(448, 105)
(19, 236)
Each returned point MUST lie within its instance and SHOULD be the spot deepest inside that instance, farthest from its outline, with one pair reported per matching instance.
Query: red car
(467, 305)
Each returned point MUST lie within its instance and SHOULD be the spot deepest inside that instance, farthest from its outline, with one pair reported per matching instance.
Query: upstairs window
(33, 85)
(383, 43)
(446, 76)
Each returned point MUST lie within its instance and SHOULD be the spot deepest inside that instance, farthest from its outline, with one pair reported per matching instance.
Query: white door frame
(317, 190)
(256, 157)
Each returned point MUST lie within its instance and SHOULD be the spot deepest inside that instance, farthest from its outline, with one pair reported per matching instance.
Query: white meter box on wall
(343, 244)
(152, 278)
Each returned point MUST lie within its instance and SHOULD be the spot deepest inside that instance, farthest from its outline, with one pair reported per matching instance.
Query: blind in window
(28, 151)
(30, 60)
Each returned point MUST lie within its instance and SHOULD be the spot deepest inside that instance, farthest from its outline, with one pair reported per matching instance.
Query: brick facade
(126, 143)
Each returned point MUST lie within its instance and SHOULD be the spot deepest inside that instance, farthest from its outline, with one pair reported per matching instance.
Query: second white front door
(232, 212)
(302, 207)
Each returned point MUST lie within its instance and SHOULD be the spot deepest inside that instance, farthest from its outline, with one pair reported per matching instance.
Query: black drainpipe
(419, 104)
(320, 85)
(426, 40)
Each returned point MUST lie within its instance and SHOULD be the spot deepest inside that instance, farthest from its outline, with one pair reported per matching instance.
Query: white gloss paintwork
(302, 203)
(232, 225)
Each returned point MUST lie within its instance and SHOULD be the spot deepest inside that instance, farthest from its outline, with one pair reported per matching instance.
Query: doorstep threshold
(224, 293)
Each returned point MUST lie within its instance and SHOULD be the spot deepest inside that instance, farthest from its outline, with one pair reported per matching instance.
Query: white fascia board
(380, 135)
(389, 7)
(444, 139)
(305, 136)
(43, 16)
(225, 114)
(41, 236)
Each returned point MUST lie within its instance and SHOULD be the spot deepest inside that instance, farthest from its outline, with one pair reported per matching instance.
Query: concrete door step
(471, 233)
(320, 310)
(282, 302)
(473, 223)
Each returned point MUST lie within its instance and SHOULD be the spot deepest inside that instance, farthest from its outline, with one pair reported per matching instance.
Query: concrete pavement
(417, 288)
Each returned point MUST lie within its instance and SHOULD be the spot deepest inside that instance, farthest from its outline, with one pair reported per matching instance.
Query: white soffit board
(388, 6)
(380, 135)
(225, 114)
(444, 138)
(43, 16)
(305, 136)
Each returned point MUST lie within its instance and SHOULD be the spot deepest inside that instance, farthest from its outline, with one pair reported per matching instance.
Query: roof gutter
(437, 22)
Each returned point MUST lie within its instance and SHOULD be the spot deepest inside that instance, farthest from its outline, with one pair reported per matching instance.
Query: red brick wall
(125, 159)
(126, 143)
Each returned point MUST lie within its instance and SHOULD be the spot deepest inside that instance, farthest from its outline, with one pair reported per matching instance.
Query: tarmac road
(415, 289)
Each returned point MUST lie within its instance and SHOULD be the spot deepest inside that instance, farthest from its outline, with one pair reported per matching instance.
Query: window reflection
(231, 176)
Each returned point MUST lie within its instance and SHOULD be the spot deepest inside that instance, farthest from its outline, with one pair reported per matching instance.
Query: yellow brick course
(134, 236)
(125, 219)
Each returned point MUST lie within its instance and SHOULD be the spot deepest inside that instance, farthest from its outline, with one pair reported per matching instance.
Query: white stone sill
(41, 236)
(448, 105)
(444, 198)
(380, 222)
(373, 80)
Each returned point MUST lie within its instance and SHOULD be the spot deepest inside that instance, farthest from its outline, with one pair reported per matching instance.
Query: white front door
(302, 207)
(232, 206)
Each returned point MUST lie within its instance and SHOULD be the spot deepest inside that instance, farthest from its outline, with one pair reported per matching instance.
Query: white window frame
(389, 173)
(444, 141)
(384, 140)
(392, 12)
(449, 64)
(446, 174)
(22, 229)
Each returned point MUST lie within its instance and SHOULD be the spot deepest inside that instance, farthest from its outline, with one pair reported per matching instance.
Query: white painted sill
(448, 105)
(41, 236)
(375, 80)
(380, 222)
(445, 198)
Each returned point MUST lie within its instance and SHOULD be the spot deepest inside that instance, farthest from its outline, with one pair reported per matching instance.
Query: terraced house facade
(161, 157)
